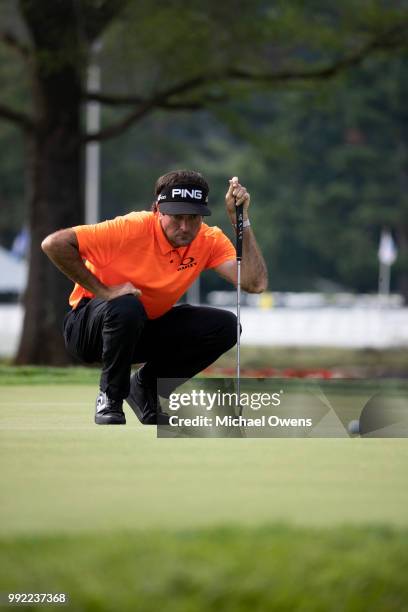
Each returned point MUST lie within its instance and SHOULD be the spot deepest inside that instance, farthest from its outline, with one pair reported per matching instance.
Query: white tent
(13, 273)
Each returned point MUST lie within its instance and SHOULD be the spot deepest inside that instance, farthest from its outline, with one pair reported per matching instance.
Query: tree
(175, 55)
(342, 178)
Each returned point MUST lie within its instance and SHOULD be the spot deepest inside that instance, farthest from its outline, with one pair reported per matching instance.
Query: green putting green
(120, 520)
(63, 474)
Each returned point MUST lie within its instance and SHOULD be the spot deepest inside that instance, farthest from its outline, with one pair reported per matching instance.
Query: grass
(62, 473)
(361, 363)
(42, 375)
(121, 520)
(233, 569)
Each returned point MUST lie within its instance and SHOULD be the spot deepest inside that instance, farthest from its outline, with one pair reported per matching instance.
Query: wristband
(246, 223)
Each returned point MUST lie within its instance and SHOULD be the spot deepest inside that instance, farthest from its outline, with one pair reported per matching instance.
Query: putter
(240, 236)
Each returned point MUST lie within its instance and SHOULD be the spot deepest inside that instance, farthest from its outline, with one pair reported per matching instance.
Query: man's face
(180, 230)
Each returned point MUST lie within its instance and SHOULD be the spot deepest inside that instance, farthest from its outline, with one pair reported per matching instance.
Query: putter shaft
(238, 329)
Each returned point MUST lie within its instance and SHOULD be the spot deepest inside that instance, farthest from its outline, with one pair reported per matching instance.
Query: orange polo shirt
(133, 248)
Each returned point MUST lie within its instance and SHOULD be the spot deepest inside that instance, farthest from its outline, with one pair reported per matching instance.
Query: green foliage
(334, 173)
(358, 170)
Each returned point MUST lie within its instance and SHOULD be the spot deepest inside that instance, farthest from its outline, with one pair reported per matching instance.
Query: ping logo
(196, 194)
(188, 262)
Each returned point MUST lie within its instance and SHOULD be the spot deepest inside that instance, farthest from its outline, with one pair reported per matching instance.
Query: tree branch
(146, 107)
(112, 100)
(22, 120)
(11, 41)
(391, 39)
(160, 100)
(326, 72)
(117, 128)
(192, 105)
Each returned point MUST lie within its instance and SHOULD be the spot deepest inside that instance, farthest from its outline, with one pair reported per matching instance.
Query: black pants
(117, 333)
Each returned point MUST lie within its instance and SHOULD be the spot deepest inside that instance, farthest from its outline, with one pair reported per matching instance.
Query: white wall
(11, 321)
(342, 327)
(353, 327)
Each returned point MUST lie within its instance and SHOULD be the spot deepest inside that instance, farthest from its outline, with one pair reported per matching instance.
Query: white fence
(11, 320)
(341, 327)
(348, 328)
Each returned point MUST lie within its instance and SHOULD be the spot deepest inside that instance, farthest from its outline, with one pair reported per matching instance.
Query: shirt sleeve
(223, 250)
(102, 242)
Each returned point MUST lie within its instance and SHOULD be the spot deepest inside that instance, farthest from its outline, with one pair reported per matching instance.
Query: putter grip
(240, 230)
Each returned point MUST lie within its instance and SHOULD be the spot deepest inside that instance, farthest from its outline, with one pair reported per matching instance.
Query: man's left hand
(236, 195)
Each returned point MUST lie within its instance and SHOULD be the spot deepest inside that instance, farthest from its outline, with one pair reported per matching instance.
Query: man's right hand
(63, 250)
(110, 293)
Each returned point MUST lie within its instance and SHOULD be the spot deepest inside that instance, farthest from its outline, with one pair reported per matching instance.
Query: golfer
(130, 271)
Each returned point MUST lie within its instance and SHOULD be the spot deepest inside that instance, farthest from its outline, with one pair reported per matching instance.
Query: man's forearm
(254, 274)
(63, 252)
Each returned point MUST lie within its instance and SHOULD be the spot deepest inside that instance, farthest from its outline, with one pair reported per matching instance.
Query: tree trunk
(61, 32)
(54, 159)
